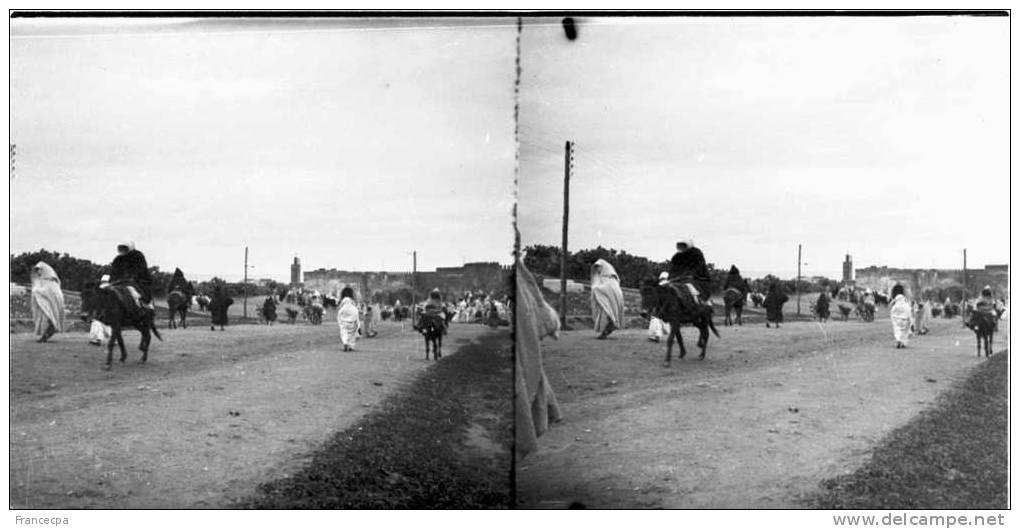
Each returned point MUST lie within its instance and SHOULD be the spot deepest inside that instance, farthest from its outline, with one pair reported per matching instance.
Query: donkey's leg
(680, 341)
(120, 343)
(702, 340)
(669, 347)
(114, 334)
(144, 346)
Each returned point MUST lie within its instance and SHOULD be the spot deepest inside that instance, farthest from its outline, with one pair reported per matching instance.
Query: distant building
(920, 281)
(848, 270)
(451, 281)
(295, 272)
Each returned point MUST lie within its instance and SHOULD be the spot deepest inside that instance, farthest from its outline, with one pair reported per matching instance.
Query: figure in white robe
(372, 318)
(1004, 320)
(922, 315)
(606, 298)
(902, 317)
(47, 302)
(99, 333)
(657, 329)
(348, 316)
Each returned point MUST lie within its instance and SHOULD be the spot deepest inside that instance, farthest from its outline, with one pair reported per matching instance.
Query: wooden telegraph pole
(568, 162)
(246, 282)
(414, 279)
(964, 275)
(798, 279)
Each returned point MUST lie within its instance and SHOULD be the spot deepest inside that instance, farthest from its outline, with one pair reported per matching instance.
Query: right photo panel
(764, 262)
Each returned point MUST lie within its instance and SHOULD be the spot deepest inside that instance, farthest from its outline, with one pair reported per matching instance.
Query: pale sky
(884, 137)
(349, 143)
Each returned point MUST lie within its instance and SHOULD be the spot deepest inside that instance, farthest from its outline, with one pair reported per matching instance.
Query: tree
(74, 273)
(543, 260)
(632, 269)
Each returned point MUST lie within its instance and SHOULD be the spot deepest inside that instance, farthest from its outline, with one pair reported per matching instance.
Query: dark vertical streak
(517, 140)
(517, 254)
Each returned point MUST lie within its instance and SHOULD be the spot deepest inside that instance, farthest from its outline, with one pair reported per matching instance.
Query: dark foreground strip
(410, 453)
(951, 456)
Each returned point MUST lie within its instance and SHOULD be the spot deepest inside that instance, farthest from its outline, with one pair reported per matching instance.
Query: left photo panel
(261, 262)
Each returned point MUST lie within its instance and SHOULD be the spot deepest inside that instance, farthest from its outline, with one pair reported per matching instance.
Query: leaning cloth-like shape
(534, 401)
(47, 299)
(606, 296)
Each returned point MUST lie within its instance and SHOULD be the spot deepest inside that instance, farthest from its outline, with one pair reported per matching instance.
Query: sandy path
(208, 418)
(757, 425)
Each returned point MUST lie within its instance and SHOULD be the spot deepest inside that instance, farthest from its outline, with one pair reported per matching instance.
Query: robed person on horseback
(180, 284)
(986, 302)
(735, 281)
(130, 270)
(434, 308)
(688, 267)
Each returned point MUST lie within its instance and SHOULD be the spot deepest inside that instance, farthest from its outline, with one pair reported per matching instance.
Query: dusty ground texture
(442, 442)
(211, 415)
(760, 423)
(952, 456)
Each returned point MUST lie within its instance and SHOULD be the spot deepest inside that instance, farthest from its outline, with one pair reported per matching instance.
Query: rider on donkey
(985, 303)
(687, 267)
(130, 270)
(434, 308)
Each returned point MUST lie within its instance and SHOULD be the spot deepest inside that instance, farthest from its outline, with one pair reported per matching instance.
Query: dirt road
(758, 424)
(209, 417)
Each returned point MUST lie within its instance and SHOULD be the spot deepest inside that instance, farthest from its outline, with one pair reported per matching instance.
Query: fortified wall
(451, 281)
(930, 281)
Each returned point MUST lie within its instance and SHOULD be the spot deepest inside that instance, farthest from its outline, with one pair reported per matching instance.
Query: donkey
(675, 305)
(432, 328)
(983, 324)
(179, 299)
(733, 302)
(115, 308)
